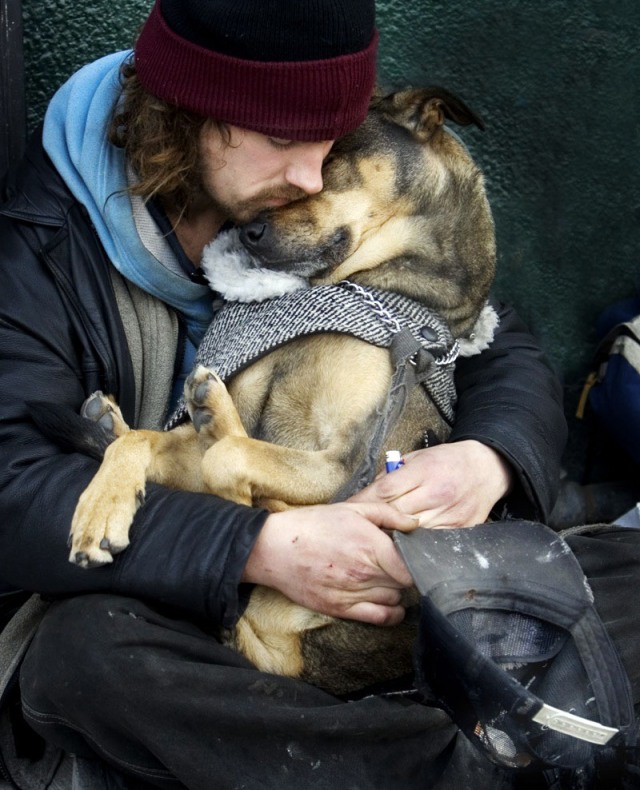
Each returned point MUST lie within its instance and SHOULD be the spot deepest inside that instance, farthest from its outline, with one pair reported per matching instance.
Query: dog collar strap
(391, 320)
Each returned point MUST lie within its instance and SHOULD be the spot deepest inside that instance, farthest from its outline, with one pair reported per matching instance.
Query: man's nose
(305, 168)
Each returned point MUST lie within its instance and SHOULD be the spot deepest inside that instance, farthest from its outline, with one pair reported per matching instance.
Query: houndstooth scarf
(241, 333)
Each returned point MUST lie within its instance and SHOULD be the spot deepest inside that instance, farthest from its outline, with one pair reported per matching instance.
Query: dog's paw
(100, 527)
(199, 394)
(103, 410)
(106, 508)
(210, 407)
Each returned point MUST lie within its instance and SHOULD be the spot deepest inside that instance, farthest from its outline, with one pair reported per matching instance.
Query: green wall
(557, 84)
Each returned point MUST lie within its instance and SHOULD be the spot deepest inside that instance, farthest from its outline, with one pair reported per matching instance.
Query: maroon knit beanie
(295, 69)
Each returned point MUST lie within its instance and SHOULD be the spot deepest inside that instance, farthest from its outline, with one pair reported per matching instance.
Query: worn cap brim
(510, 644)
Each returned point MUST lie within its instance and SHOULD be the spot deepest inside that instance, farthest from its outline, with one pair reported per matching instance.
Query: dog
(403, 212)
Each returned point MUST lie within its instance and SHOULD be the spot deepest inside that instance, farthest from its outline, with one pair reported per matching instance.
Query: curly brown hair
(161, 142)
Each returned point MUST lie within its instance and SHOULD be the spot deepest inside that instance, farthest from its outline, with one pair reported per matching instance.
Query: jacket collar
(34, 192)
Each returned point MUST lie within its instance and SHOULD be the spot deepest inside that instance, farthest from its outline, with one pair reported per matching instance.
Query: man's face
(252, 172)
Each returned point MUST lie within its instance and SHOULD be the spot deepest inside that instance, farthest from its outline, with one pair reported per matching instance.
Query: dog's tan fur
(403, 209)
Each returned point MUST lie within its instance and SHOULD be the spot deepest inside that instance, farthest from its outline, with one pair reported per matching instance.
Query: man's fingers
(367, 612)
(391, 488)
(384, 515)
(385, 596)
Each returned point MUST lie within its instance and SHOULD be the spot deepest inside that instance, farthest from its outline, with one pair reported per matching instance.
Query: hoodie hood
(75, 138)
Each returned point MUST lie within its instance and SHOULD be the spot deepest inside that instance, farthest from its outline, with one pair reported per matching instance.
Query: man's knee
(76, 651)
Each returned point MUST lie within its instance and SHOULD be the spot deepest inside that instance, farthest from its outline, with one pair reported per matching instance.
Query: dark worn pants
(157, 697)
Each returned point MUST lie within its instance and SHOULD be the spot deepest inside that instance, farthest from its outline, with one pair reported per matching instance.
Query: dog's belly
(315, 393)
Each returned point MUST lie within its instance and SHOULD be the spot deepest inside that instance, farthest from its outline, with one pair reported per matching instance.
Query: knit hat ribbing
(301, 70)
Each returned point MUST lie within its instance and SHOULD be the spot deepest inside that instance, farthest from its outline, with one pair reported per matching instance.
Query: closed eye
(279, 143)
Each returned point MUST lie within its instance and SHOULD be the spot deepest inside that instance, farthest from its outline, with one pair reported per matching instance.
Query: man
(223, 110)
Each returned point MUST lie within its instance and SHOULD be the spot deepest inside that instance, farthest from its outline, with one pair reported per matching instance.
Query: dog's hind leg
(271, 630)
(99, 423)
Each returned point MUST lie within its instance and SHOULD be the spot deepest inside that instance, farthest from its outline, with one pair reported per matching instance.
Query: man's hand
(338, 560)
(450, 485)
(335, 559)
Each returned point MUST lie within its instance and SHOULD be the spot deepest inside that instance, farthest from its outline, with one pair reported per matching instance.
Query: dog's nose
(252, 234)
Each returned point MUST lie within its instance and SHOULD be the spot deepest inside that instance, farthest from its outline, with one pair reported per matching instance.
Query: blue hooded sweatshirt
(76, 139)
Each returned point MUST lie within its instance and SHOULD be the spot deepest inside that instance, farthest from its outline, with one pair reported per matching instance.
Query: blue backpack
(612, 390)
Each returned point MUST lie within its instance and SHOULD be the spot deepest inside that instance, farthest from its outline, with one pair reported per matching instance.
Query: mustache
(280, 193)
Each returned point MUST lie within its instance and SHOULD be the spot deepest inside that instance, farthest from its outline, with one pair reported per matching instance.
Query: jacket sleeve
(187, 550)
(511, 400)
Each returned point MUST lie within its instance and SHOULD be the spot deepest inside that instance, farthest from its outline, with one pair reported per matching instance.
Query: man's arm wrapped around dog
(512, 402)
(505, 447)
(187, 550)
(61, 339)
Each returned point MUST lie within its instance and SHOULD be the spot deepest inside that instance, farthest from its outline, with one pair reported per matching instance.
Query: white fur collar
(237, 277)
(482, 333)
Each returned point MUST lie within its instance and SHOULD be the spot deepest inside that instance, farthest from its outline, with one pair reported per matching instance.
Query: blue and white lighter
(393, 460)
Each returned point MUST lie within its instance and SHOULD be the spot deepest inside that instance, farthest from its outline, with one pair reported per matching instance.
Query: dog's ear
(423, 110)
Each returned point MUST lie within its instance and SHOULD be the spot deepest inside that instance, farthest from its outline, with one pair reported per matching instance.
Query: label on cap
(576, 726)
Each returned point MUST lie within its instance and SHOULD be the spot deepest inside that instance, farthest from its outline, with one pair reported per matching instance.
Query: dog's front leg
(105, 510)
(251, 471)
(212, 411)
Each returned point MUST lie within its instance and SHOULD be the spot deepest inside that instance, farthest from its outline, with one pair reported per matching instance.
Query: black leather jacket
(61, 338)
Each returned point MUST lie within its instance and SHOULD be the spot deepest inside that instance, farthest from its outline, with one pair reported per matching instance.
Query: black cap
(511, 645)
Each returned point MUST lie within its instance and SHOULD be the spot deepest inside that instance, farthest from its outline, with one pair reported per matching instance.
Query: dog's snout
(252, 234)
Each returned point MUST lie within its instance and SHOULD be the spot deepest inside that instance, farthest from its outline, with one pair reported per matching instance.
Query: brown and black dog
(404, 210)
